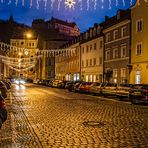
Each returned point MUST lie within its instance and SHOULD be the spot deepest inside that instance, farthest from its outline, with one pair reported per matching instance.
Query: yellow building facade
(139, 42)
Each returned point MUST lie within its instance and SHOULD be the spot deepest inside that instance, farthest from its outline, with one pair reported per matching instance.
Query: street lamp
(28, 35)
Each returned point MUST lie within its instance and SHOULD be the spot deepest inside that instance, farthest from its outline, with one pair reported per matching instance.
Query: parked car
(85, 86)
(35, 81)
(109, 89)
(96, 88)
(50, 83)
(70, 85)
(75, 87)
(139, 94)
(123, 90)
(3, 111)
(56, 83)
(7, 83)
(3, 89)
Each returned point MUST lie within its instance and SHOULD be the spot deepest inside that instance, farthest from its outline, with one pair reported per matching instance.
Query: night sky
(84, 12)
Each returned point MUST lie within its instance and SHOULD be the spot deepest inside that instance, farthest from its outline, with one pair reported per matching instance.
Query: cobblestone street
(55, 118)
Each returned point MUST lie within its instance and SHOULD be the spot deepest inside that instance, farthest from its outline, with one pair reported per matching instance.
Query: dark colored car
(3, 89)
(3, 111)
(71, 86)
(139, 94)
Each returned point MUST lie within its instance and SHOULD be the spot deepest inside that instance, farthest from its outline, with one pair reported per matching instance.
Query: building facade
(25, 49)
(53, 34)
(67, 63)
(117, 47)
(139, 42)
(92, 55)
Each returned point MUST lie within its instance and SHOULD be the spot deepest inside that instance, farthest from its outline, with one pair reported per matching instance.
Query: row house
(117, 47)
(139, 42)
(67, 64)
(104, 51)
(92, 55)
(86, 62)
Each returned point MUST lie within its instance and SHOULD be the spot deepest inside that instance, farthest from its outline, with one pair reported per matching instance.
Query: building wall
(68, 63)
(92, 60)
(25, 48)
(115, 60)
(139, 62)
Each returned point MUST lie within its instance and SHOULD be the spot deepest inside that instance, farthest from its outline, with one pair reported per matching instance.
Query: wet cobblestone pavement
(55, 118)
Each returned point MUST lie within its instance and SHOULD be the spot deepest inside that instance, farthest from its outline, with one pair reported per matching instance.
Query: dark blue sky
(85, 12)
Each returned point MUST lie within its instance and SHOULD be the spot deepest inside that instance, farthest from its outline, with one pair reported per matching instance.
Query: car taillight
(3, 104)
(145, 91)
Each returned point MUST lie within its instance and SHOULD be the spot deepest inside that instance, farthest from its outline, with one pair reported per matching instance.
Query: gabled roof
(121, 16)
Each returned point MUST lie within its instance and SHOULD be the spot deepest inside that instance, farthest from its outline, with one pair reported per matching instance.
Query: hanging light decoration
(70, 3)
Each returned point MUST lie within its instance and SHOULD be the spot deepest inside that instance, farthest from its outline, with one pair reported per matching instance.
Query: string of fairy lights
(20, 64)
(70, 4)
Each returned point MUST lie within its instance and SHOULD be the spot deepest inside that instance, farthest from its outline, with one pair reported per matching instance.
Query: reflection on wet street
(49, 117)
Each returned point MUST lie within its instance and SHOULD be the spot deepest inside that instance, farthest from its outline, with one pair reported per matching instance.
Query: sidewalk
(17, 132)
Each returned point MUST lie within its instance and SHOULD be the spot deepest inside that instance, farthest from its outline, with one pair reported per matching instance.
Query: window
(90, 47)
(123, 72)
(83, 50)
(123, 51)
(123, 31)
(86, 63)
(49, 62)
(115, 34)
(91, 78)
(139, 49)
(101, 43)
(107, 55)
(95, 46)
(90, 62)
(108, 37)
(139, 25)
(82, 63)
(115, 53)
(94, 61)
(138, 77)
(100, 60)
(87, 48)
(115, 73)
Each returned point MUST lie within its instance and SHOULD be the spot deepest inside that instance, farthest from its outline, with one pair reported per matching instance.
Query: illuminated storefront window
(138, 77)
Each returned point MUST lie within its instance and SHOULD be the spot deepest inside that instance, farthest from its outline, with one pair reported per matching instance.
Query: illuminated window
(115, 73)
(91, 78)
(123, 72)
(138, 77)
